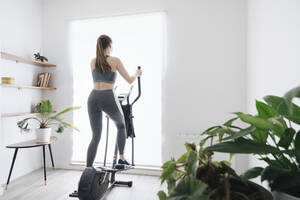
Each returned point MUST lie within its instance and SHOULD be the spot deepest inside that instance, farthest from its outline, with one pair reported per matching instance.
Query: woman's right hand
(138, 72)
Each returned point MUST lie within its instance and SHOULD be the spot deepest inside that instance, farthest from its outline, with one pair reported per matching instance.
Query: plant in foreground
(271, 135)
(194, 176)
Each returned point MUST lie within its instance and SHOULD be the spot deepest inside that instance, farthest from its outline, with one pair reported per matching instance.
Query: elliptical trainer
(96, 182)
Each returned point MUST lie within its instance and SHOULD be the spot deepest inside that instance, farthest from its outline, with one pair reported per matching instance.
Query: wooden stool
(31, 144)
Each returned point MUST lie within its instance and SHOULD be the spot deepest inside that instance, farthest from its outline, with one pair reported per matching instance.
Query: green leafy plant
(271, 135)
(38, 57)
(194, 176)
(46, 117)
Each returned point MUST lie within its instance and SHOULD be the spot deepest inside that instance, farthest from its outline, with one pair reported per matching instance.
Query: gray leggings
(98, 101)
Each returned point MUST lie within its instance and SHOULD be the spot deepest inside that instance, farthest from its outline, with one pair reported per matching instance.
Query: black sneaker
(123, 162)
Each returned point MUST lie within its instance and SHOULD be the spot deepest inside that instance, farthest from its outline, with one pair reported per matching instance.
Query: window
(138, 40)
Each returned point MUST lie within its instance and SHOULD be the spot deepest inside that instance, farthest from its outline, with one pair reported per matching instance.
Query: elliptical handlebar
(128, 95)
(139, 88)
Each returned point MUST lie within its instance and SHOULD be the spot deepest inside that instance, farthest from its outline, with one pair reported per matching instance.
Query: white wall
(273, 47)
(204, 78)
(20, 34)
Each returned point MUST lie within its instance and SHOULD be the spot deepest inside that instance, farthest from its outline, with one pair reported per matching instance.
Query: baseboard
(139, 170)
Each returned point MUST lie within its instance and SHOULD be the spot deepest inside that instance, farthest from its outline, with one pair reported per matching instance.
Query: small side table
(31, 144)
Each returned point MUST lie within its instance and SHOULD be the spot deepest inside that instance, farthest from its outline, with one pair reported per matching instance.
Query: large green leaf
(191, 161)
(241, 133)
(278, 103)
(297, 146)
(210, 129)
(259, 122)
(285, 108)
(251, 173)
(283, 122)
(229, 122)
(225, 162)
(190, 146)
(203, 141)
(182, 158)
(286, 183)
(271, 162)
(65, 111)
(23, 124)
(295, 92)
(168, 168)
(220, 136)
(287, 138)
(297, 141)
(271, 173)
(260, 136)
(243, 146)
(294, 113)
(189, 188)
(264, 110)
(171, 182)
(162, 195)
(46, 107)
(66, 124)
(216, 130)
(282, 179)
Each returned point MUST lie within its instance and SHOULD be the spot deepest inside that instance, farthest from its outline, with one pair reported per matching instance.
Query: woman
(102, 98)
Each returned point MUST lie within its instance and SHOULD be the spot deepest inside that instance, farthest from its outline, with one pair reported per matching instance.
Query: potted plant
(194, 176)
(45, 118)
(272, 136)
(39, 57)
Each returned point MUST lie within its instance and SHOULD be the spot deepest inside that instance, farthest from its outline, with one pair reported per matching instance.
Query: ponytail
(101, 63)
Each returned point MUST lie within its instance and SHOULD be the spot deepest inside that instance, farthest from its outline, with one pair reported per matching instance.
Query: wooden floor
(62, 182)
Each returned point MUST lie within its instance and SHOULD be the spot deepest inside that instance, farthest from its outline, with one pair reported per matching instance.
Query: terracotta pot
(43, 135)
(266, 194)
(242, 187)
(283, 196)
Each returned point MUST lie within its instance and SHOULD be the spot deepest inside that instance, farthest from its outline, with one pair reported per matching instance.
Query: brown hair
(103, 42)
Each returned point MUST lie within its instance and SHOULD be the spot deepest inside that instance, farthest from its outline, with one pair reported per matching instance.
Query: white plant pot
(43, 134)
(283, 196)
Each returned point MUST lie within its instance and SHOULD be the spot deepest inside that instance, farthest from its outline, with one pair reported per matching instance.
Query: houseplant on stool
(45, 119)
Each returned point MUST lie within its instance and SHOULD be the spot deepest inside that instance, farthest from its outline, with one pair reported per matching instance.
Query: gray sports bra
(108, 77)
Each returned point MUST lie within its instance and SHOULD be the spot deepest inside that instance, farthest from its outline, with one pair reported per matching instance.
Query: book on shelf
(47, 79)
(43, 79)
(40, 79)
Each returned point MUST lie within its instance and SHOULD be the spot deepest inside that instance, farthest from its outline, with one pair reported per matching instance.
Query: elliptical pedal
(123, 167)
(74, 194)
(123, 183)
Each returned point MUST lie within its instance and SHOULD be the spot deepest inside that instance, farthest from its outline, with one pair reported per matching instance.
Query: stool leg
(12, 166)
(50, 150)
(45, 176)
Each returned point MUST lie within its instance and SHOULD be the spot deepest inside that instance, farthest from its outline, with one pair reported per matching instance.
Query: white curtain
(138, 40)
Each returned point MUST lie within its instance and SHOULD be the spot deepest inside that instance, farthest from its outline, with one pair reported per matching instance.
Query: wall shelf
(18, 59)
(6, 115)
(26, 87)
